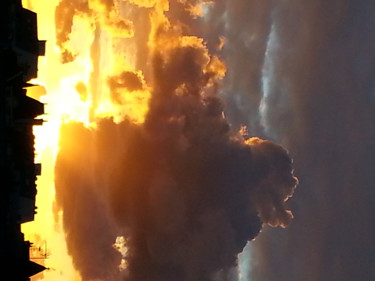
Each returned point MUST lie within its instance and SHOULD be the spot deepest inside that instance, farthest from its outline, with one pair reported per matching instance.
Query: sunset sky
(146, 146)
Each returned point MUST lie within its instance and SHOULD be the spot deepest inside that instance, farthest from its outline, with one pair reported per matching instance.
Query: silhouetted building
(19, 51)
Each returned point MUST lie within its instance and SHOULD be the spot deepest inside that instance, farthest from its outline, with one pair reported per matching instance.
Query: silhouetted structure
(19, 51)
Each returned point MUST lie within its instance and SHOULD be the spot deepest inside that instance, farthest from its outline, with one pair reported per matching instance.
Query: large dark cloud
(185, 191)
(316, 60)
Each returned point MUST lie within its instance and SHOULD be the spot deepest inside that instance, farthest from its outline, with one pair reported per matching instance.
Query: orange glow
(67, 97)
(79, 91)
(62, 103)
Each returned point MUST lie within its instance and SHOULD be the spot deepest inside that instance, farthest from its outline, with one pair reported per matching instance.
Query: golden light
(62, 103)
(80, 90)
(104, 59)
(67, 96)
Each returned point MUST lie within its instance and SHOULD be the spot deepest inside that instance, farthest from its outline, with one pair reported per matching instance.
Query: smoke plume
(184, 190)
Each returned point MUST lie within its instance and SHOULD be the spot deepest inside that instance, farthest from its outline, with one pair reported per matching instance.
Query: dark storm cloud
(87, 225)
(275, 187)
(186, 209)
(320, 105)
(185, 192)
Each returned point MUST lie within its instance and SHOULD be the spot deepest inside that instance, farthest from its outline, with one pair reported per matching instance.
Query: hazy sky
(309, 68)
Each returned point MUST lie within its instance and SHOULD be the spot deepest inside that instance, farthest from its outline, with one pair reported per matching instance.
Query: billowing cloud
(186, 202)
(96, 11)
(64, 15)
(276, 185)
(184, 191)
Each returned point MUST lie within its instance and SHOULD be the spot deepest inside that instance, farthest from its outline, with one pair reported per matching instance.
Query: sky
(166, 161)
(316, 96)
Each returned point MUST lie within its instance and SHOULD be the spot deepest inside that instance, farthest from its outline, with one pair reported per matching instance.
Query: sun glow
(74, 91)
(98, 65)
(141, 64)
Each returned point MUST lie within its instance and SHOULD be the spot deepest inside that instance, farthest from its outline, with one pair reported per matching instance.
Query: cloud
(185, 192)
(97, 12)
(186, 203)
(245, 25)
(320, 107)
(128, 80)
(64, 15)
(276, 185)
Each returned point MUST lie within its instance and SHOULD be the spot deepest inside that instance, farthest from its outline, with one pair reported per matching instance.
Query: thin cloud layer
(305, 79)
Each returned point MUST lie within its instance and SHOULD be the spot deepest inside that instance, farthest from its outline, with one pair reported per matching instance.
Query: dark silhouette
(19, 51)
